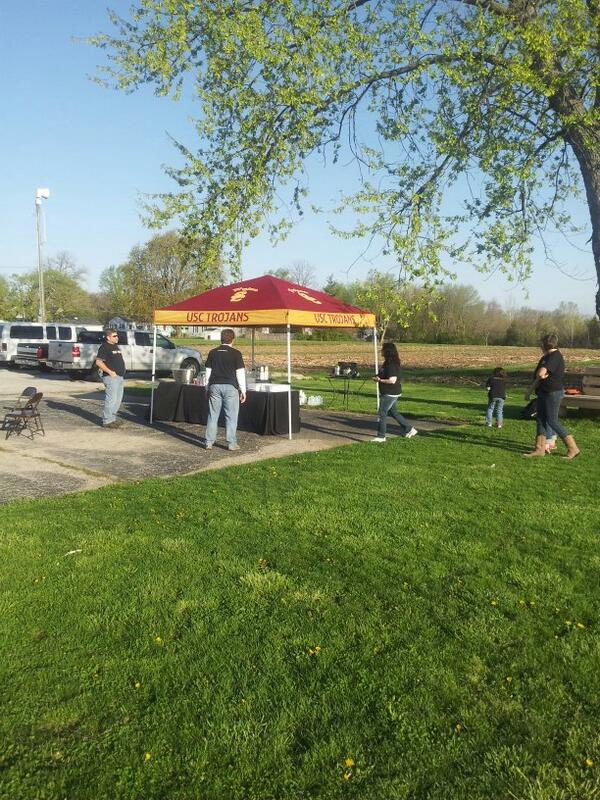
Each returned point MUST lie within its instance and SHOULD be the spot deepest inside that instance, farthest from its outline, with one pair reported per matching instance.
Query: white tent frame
(289, 372)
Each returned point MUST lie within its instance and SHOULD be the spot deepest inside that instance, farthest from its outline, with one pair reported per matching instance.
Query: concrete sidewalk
(77, 454)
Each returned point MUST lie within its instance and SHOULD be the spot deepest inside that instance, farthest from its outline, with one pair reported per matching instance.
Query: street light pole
(39, 195)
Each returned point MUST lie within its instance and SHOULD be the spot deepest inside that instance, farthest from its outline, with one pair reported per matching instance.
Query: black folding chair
(27, 418)
(25, 395)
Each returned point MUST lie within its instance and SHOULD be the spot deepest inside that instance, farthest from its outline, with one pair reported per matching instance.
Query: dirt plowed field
(324, 355)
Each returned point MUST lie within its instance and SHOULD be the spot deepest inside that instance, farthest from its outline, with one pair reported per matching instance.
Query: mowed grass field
(414, 620)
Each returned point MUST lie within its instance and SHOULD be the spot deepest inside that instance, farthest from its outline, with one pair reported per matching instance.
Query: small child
(496, 388)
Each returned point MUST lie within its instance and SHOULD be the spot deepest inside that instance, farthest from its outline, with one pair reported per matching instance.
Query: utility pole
(40, 194)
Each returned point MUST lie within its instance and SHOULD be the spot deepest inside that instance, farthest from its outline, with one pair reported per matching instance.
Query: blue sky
(97, 150)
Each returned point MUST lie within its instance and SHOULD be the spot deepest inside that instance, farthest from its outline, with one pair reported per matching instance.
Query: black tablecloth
(265, 413)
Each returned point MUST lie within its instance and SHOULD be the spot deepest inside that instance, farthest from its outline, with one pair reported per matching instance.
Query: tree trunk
(586, 146)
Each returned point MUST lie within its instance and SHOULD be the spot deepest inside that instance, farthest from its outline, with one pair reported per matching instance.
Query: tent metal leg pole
(289, 376)
(253, 331)
(376, 364)
(153, 375)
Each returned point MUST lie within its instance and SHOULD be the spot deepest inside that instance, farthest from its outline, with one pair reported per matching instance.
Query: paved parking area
(77, 453)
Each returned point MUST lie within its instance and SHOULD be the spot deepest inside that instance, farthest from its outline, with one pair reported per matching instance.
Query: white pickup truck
(78, 359)
(35, 353)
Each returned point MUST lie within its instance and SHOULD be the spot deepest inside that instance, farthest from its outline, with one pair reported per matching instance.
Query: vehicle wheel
(192, 364)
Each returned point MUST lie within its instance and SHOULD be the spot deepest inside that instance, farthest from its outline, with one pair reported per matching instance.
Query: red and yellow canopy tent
(263, 302)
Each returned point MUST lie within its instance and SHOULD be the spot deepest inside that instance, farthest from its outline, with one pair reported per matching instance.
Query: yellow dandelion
(589, 762)
(147, 756)
(581, 626)
(568, 622)
(509, 679)
(349, 762)
(158, 639)
(137, 685)
(494, 603)
(347, 775)
(458, 727)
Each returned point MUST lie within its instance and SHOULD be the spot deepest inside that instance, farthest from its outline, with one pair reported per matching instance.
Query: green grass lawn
(464, 398)
(419, 399)
(408, 621)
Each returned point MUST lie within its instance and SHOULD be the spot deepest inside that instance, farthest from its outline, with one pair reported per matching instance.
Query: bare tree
(66, 264)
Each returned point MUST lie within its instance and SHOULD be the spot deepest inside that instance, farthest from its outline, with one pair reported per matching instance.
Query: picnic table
(590, 397)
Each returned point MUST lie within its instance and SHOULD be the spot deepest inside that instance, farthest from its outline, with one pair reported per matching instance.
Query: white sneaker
(412, 432)
(378, 439)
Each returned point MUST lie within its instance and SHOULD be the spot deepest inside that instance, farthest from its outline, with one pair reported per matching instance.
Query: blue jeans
(112, 398)
(496, 404)
(548, 405)
(227, 397)
(550, 432)
(387, 405)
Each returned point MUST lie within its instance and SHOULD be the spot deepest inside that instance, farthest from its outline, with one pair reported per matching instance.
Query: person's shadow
(75, 410)
(479, 439)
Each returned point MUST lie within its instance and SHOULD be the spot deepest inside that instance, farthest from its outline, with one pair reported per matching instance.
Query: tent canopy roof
(264, 301)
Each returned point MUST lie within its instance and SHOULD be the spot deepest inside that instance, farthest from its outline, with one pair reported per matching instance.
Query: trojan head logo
(305, 295)
(241, 292)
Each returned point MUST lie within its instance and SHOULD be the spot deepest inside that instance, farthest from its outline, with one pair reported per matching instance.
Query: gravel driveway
(78, 454)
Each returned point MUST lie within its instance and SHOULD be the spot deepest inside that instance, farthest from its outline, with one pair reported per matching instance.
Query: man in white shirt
(226, 382)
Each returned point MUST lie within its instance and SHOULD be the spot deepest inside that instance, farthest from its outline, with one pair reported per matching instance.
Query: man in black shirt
(226, 381)
(110, 361)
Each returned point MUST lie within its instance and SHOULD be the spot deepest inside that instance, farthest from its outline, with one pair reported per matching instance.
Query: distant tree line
(456, 314)
(162, 271)
(167, 268)
(65, 297)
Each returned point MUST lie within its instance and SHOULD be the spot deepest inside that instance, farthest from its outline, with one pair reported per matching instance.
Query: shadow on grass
(488, 438)
(339, 425)
(510, 411)
(359, 427)
(454, 403)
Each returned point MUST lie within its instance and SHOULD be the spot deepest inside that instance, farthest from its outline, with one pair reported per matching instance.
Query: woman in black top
(548, 379)
(390, 390)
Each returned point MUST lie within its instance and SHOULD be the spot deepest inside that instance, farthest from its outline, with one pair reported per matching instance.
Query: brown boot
(572, 449)
(540, 448)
